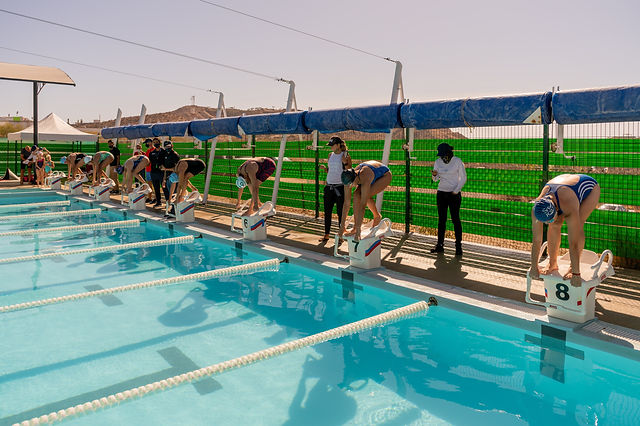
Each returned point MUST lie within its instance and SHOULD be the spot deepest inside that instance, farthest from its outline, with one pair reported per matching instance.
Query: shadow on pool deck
(491, 270)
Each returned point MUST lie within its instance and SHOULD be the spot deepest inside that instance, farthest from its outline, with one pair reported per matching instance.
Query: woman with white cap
(570, 197)
(251, 174)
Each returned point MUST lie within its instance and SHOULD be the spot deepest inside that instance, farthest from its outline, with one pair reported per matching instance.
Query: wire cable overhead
(146, 46)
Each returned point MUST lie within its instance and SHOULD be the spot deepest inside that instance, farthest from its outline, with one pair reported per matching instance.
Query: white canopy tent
(53, 128)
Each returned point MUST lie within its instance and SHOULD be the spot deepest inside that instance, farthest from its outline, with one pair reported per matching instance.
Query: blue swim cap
(544, 210)
(241, 182)
(63, 160)
(119, 170)
(173, 178)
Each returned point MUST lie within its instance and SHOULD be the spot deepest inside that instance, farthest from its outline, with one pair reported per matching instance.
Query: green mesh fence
(506, 169)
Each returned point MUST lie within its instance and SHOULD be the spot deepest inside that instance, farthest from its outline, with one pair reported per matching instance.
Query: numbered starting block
(254, 226)
(102, 192)
(75, 185)
(366, 253)
(54, 180)
(562, 300)
(137, 198)
(185, 210)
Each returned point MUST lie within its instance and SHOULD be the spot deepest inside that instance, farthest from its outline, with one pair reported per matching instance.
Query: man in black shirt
(169, 160)
(113, 174)
(25, 164)
(156, 156)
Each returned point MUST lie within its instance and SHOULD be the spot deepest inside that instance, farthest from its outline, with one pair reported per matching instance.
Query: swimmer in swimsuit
(370, 178)
(100, 161)
(251, 174)
(75, 162)
(186, 169)
(132, 169)
(570, 197)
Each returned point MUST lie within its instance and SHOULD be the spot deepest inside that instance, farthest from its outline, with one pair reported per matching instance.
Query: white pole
(291, 100)
(207, 182)
(118, 120)
(397, 91)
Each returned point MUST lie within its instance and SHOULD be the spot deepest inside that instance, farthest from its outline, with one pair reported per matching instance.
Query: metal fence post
(407, 189)
(317, 154)
(545, 155)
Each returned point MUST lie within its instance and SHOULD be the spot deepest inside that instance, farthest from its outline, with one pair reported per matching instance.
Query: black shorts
(195, 166)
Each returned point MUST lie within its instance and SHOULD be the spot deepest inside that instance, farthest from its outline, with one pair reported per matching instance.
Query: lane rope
(249, 268)
(409, 311)
(89, 227)
(34, 205)
(52, 214)
(152, 243)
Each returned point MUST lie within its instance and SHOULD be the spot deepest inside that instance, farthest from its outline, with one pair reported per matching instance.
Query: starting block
(75, 185)
(185, 210)
(366, 253)
(54, 180)
(102, 191)
(254, 227)
(137, 198)
(562, 300)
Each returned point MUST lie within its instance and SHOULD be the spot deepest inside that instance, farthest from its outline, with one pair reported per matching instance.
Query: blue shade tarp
(597, 105)
(371, 119)
(273, 124)
(478, 112)
(210, 128)
(112, 132)
(138, 131)
(178, 128)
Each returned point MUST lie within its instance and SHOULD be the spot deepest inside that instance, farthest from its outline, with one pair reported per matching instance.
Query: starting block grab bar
(562, 300)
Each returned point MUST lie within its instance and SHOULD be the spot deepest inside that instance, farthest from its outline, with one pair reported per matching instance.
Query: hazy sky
(449, 49)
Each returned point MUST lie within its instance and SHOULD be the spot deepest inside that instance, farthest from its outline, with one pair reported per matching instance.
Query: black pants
(451, 201)
(156, 180)
(333, 194)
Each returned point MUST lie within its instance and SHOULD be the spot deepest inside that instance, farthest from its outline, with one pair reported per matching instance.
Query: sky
(449, 49)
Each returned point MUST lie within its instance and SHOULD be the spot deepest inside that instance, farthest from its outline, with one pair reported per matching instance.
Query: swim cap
(119, 170)
(63, 160)
(173, 178)
(348, 176)
(87, 159)
(544, 210)
(240, 182)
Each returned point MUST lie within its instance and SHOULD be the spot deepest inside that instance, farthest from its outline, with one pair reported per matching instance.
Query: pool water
(446, 367)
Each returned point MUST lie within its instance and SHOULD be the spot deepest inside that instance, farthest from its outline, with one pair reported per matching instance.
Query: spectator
(338, 160)
(450, 171)
(156, 157)
(168, 160)
(25, 153)
(150, 144)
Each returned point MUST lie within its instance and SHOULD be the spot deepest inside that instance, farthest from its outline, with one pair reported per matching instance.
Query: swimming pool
(450, 366)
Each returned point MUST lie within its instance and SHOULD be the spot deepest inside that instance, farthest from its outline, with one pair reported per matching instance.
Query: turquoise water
(447, 367)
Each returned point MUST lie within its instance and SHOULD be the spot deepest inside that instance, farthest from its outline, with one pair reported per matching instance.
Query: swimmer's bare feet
(548, 270)
(376, 221)
(350, 233)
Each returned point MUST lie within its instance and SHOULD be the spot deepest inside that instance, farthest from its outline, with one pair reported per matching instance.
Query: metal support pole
(220, 112)
(396, 92)
(407, 189)
(252, 143)
(35, 113)
(317, 154)
(545, 155)
(276, 185)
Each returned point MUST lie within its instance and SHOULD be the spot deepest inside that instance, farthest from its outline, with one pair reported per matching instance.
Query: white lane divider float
(52, 214)
(249, 268)
(406, 312)
(34, 205)
(117, 247)
(133, 223)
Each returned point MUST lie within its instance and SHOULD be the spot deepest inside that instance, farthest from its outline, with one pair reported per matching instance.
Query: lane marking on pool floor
(249, 268)
(153, 243)
(89, 227)
(405, 312)
(52, 214)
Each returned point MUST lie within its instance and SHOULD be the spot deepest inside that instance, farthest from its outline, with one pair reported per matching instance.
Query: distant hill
(196, 112)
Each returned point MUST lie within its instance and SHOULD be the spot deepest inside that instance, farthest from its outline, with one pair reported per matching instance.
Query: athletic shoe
(437, 249)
